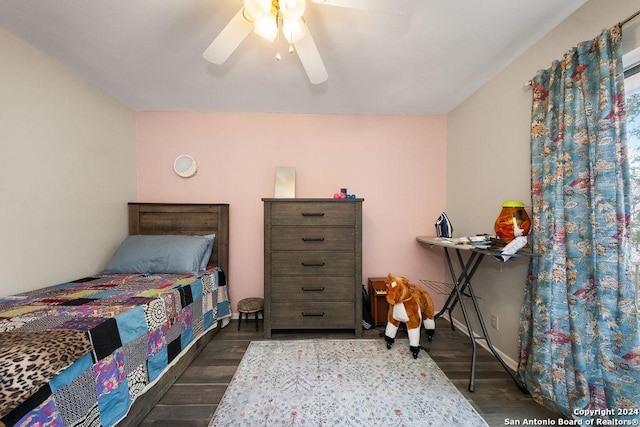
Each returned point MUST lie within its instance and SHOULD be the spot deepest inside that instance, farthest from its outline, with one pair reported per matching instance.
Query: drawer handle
(313, 239)
(313, 314)
(312, 213)
(312, 264)
(318, 289)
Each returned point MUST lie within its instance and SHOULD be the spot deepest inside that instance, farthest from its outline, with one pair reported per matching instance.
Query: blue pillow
(158, 254)
(211, 238)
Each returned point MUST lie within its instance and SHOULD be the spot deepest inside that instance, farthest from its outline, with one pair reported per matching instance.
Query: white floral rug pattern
(341, 383)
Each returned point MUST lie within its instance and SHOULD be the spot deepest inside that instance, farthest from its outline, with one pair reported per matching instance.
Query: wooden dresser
(313, 264)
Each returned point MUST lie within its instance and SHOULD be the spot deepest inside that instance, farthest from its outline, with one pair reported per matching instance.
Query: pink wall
(396, 163)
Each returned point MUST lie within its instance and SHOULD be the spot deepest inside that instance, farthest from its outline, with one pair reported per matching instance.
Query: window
(631, 60)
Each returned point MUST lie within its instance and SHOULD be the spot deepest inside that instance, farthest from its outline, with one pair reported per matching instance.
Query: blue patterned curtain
(579, 339)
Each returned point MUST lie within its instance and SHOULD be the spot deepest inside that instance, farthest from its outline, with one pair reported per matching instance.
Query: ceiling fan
(267, 17)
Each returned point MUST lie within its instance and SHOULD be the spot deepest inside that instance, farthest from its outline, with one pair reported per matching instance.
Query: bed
(102, 350)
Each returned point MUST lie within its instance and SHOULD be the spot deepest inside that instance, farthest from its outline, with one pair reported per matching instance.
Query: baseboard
(512, 364)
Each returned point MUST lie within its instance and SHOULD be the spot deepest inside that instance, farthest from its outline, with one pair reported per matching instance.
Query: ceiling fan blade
(310, 58)
(394, 7)
(228, 40)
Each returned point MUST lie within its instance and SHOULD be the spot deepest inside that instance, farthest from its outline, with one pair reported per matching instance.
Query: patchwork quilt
(79, 353)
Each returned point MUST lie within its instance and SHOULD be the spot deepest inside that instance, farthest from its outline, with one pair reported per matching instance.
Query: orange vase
(513, 221)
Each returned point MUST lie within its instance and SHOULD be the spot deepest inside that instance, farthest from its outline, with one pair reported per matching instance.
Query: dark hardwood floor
(192, 400)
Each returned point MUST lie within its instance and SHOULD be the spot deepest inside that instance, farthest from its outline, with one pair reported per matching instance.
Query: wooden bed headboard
(193, 219)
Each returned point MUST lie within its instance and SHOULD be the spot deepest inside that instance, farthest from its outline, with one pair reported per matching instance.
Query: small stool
(250, 305)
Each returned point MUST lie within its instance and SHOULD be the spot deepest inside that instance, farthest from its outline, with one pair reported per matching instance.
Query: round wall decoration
(185, 166)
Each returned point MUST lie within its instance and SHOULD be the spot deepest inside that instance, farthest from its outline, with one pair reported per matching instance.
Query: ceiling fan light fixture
(257, 9)
(267, 27)
(267, 18)
(293, 30)
(292, 9)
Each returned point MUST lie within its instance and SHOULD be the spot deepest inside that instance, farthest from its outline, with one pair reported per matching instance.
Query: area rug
(341, 383)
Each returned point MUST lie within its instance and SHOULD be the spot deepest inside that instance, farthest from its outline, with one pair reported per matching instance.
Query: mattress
(80, 353)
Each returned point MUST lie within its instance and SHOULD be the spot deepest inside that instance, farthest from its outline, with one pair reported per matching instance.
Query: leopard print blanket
(28, 360)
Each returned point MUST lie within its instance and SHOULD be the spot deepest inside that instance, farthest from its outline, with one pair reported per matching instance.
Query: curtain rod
(528, 83)
(630, 18)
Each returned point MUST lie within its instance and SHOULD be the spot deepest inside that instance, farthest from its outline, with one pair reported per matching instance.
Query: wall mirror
(185, 166)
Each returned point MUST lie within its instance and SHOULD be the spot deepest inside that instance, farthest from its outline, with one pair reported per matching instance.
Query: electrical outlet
(494, 321)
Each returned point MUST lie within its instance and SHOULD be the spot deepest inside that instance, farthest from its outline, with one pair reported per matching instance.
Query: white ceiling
(148, 53)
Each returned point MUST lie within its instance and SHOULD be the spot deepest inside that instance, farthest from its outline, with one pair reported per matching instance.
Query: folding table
(461, 287)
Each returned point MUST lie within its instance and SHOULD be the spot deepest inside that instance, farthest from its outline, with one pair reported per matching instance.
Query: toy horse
(411, 305)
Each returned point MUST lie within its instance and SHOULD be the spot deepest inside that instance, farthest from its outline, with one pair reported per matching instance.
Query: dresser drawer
(313, 238)
(311, 315)
(312, 263)
(312, 288)
(313, 213)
